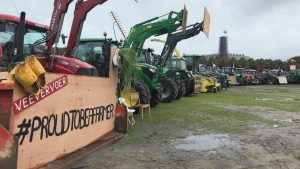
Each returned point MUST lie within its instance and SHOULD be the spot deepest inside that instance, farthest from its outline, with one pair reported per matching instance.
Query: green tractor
(177, 65)
(150, 78)
(184, 78)
(293, 77)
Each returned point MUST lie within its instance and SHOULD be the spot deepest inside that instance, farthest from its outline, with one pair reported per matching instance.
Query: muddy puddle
(203, 142)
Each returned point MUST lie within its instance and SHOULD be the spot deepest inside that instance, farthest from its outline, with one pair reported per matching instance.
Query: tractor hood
(146, 66)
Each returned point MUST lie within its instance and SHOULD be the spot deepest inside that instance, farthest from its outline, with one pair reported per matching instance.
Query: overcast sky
(256, 28)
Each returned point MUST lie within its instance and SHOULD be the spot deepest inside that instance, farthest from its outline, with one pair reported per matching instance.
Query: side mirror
(63, 38)
(1, 51)
(105, 34)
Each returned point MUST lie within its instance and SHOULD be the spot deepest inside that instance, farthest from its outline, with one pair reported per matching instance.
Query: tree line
(243, 62)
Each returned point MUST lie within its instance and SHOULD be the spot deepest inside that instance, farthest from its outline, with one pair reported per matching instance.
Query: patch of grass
(134, 136)
(298, 158)
(229, 121)
(194, 112)
(249, 99)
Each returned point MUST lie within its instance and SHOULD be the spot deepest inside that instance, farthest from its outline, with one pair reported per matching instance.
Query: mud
(202, 142)
(263, 146)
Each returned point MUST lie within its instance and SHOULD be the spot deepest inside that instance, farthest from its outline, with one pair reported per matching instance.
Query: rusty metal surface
(8, 149)
(5, 105)
(6, 86)
(121, 124)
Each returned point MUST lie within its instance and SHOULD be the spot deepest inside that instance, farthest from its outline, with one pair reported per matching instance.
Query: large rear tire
(181, 89)
(190, 89)
(169, 89)
(144, 92)
(155, 97)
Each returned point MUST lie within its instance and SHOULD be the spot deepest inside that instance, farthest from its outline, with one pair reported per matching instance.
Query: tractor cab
(265, 72)
(147, 56)
(96, 52)
(177, 63)
(32, 40)
(228, 70)
(201, 68)
(239, 72)
(251, 71)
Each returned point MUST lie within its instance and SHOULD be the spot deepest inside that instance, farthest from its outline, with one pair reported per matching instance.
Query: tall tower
(223, 47)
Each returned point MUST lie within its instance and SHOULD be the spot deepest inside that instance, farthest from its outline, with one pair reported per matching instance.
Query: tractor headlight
(152, 70)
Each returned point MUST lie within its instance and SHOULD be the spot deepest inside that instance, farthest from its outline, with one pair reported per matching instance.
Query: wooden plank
(76, 115)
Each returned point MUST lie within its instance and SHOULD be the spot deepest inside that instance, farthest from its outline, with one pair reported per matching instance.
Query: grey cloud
(258, 28)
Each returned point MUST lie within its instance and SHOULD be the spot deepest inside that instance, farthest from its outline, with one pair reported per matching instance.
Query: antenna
(13, 2)
(118, 22)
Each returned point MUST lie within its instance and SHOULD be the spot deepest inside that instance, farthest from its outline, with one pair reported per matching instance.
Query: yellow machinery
(30, 75)
(205, 83)
(128, 100)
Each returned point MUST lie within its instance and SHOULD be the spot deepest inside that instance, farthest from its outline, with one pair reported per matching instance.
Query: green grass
(249, 99)
(298, 158)
(203, 113)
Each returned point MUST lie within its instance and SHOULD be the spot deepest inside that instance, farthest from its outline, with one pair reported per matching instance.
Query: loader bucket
(206, 22)
(8, 149)
(184, 18)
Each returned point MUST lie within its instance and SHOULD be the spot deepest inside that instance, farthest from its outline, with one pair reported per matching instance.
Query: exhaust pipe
(19, 40)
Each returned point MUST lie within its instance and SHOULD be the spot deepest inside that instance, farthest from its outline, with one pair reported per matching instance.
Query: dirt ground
(274, 145)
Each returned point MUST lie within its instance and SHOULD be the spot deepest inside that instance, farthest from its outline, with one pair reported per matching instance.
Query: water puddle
(202, 142)
(288, 99)
(263, 98)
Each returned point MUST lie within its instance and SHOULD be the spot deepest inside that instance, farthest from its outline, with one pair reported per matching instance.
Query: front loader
(149, 78)
(179, 72)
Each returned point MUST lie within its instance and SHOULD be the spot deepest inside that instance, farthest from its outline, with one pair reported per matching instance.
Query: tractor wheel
(190, 88)
(169, 89)
(144, 92)
(155, 97)
(181, 89)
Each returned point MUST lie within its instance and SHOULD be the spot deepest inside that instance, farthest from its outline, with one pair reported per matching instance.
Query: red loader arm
(81, 10)
(59, 11)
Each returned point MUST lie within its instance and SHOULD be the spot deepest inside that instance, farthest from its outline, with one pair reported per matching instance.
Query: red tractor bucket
(8, 149)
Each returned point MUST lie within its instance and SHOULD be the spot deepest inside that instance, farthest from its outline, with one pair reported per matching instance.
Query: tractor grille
(87, 71)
